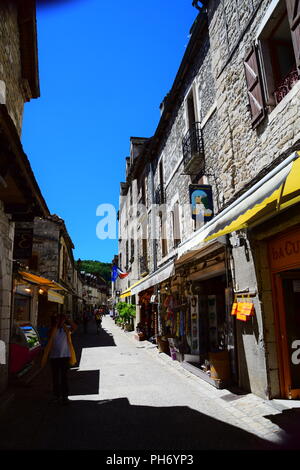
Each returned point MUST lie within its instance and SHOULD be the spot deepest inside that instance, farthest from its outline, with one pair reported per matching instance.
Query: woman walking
(61, 352)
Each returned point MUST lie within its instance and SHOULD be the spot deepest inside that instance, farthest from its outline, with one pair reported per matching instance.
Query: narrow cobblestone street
(125, 395)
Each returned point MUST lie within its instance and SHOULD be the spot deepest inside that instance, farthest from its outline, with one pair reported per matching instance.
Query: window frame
(192, 92)
(263, 84)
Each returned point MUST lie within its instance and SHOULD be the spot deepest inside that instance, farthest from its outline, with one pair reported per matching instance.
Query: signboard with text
(284, 251)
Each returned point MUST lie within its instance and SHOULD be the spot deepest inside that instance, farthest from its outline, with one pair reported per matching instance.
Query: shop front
(173, 320)
(25, 344)
(34, 301)
(284, 261)
(263, 226)
(149, 302)
(204, 320)
(147, 325)
(23, 302)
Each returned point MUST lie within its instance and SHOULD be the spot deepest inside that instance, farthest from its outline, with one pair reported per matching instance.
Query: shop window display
(148, 312)
(195, 325)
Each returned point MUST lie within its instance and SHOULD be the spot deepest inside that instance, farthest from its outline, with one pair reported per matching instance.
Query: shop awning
(55, 297)
(194, 250)
(157, 277)
(40, 281)
(276, 191)
(266, 198)
(128, 292)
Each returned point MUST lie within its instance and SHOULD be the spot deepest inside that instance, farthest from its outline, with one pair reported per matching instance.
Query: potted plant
(126, 314)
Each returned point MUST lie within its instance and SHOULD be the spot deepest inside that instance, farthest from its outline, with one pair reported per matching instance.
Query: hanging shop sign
(201, 201)
(23, 243)
(55, 297)
(284, 251)
(243, 310)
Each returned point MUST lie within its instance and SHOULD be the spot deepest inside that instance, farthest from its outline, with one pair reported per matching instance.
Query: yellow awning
(280, 192)
(127, 292)
(41, 281)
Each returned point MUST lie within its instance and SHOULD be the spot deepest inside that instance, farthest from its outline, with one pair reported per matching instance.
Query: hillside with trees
(95, 267)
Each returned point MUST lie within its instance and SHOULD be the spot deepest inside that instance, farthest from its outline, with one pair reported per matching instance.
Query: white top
(60, 346)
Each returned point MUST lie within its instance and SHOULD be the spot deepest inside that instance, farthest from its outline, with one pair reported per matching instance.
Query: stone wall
(235, 155)
(200, 82)
(250, 336)
(6, 257)
(11, 90)
(242, 151)
(46, 247)
(12, 94)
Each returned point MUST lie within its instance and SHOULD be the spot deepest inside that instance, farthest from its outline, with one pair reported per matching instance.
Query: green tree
(95, 267)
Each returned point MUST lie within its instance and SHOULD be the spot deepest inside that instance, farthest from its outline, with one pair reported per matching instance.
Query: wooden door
(287, 295)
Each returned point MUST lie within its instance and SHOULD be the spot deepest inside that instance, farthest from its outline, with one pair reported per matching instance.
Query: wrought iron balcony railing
(193, 151)
(286, 85)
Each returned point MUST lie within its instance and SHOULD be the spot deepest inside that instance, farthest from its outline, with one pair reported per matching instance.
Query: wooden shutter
(254, 84)
(293, 11)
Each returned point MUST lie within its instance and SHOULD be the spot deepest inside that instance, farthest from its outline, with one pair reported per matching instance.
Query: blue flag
(114, 273)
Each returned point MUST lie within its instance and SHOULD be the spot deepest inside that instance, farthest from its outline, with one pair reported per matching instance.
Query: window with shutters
(163, 234)
(127, 255)
(272, 65)
(176, 225)
(132, 247)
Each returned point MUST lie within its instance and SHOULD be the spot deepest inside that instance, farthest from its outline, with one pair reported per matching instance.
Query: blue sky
(105, 67)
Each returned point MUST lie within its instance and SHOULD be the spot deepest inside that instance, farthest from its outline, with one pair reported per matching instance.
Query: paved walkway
(127, 396)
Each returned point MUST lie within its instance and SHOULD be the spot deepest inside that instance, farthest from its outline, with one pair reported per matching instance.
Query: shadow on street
(289, 421)
(32, 423)
(115, 424)
(91, 339)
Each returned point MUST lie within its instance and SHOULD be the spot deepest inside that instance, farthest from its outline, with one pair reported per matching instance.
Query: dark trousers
(60, 367)
(98, 325)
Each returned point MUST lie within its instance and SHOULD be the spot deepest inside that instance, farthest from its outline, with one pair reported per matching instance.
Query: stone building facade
(19, 80)
(20, 196)
(51, 257)
(229, 125)
(258, 131)
(94, 291)
(6, 246)
(130, 257)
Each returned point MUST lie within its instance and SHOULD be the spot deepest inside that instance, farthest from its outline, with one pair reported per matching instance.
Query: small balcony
(193, 151)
